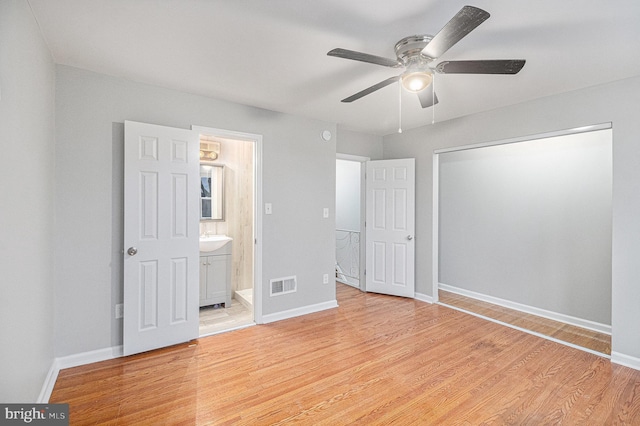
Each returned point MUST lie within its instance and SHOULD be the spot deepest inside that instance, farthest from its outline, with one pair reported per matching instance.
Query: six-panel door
(390, 227)
(160, 236)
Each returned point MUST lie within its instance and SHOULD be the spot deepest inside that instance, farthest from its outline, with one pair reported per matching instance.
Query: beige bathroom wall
(237, 157)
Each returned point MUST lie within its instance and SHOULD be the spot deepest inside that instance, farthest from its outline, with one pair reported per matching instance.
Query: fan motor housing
(411, 46)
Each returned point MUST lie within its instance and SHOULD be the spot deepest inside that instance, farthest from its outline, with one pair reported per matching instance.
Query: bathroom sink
(213, 242)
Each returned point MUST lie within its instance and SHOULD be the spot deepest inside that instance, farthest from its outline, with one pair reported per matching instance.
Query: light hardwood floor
(578, 336)
(374, 360)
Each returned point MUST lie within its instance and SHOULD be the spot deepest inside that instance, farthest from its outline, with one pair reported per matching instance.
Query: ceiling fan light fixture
(417, 53)
(417, 81)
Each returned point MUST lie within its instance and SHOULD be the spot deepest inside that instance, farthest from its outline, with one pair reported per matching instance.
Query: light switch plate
(119, 310)
(325, 212)
(268, 208)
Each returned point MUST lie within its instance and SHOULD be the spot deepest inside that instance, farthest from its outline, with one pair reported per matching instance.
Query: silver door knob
(132, 251)
(409, 237)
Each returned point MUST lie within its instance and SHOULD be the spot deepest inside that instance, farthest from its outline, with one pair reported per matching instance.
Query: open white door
(390, 226)
(161, 226)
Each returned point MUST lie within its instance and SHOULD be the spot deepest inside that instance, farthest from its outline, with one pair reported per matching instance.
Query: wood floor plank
(593, 340)
(374, 360)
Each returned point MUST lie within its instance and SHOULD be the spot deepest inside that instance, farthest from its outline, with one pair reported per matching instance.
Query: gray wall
(357, 143)
(530, 222)
(615, 102)
(298, 179)
(26, 217)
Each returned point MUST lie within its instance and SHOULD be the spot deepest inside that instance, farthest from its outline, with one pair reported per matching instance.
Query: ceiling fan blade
(364, 57)
(491, 66)
(371, 89)
(465, 21)
(427, 97)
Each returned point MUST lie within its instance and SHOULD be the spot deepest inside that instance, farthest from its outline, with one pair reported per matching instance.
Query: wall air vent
(285, 285)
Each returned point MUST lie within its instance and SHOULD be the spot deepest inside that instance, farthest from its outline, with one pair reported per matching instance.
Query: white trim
(555, 316)
(362, 277)
(304, 310)
(424, 298)
(49, 383)
(346, 282)
(238, 327)
(574, 131)
(435, 229)
(625, 360)
(350, 157)
(257, 258)
(84, 358)
(74, 360)
(524, 330)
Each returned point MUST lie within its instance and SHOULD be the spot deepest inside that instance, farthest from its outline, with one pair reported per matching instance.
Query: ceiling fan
(416, 53)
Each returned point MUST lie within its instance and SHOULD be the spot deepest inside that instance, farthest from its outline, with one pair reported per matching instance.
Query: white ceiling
(272, 53)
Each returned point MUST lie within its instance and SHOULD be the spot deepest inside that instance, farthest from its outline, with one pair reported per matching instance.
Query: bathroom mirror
(211, 192)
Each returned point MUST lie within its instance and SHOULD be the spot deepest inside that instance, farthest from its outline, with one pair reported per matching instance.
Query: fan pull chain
(399, 106)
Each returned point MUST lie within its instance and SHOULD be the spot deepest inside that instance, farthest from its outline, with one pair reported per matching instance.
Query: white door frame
(363, 211)
(257, 258)
(435, 230)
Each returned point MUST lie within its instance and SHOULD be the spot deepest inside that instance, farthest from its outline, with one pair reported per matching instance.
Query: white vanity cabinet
(215, 276)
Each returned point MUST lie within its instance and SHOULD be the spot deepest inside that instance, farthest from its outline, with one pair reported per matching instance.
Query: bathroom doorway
(238, 222)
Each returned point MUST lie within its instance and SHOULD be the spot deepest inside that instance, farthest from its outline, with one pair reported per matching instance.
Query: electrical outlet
(325, 279)
(119, 310)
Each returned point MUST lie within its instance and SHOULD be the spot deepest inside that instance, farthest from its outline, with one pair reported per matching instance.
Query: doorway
(238, 155)
(350, 218)
(524, 225)
(375, 224)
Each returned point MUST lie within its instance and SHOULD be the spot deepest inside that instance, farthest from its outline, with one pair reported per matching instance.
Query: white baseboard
(89, 357)
(567, 319)
(49, 382)
(347, 282)
(291, 313)
(74, 360)
(423, 297)
(626, 360)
